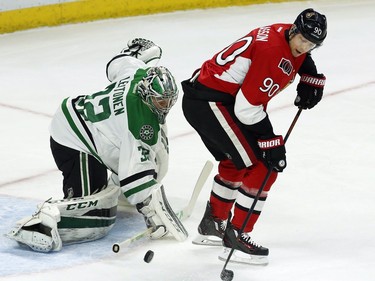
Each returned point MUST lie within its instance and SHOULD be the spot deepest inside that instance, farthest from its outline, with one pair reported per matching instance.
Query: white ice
(319, 220)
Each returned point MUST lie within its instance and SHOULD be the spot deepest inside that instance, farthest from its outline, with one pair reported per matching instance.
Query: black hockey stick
(226, 274)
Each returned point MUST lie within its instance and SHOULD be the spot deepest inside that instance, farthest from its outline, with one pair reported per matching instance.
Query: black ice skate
(246, 251)
(211, 230)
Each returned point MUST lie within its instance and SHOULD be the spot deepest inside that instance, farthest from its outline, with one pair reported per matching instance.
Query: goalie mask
(159, 91)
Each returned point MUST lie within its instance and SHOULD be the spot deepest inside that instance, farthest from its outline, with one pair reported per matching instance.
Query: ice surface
(319, 220)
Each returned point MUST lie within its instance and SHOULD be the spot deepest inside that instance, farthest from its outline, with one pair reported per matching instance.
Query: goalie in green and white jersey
(121, 129)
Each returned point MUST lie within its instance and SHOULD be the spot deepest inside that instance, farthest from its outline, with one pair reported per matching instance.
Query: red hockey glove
(273, 152)
(309, 90)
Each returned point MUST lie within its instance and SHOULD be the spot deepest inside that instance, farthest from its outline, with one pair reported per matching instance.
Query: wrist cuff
(318, 82)
(271, 143)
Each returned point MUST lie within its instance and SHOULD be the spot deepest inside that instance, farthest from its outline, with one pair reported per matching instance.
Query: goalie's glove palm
(143, 49)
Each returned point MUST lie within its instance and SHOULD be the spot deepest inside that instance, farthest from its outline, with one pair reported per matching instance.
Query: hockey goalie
(120, 130)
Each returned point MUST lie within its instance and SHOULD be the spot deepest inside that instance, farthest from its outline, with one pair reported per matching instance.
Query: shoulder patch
(146, 132)
(286, 66)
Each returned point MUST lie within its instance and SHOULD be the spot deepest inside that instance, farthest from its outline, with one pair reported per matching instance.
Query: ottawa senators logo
(286, 66)
(310, 15)
(146, 132)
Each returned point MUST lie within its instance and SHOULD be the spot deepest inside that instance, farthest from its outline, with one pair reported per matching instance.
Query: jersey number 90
(269, 87)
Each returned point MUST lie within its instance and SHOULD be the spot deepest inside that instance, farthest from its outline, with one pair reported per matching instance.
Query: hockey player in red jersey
(225, 101)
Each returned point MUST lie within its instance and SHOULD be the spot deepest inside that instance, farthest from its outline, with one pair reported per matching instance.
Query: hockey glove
(143, 49)
(309, 90)
(273, 152)
(159, 215)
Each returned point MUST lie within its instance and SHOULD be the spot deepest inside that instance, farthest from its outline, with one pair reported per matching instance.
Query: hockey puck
(148, 256)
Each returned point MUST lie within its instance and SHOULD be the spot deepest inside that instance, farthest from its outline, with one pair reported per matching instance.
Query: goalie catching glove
(144, 50)
(309, 90)
(160, 217)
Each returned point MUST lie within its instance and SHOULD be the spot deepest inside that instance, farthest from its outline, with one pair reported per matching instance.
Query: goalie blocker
(159, 216)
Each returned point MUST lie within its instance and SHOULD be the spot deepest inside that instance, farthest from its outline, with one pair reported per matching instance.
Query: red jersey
(258, 66)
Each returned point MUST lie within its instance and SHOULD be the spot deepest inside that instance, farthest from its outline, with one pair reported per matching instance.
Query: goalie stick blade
(182, 215)
(207, 240)
(205, 173)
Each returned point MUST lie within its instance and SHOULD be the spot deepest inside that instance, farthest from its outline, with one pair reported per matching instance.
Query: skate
(211, 230)
(246, 251)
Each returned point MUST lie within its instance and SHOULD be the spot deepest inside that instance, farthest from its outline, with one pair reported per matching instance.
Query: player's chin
(296, 53)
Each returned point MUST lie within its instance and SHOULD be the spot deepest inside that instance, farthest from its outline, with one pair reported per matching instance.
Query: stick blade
(226, 275)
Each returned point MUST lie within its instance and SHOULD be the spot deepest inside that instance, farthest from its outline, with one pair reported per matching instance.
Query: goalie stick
(182, 214)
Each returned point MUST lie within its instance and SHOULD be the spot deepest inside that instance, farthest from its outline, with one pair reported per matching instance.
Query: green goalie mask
(159, 91)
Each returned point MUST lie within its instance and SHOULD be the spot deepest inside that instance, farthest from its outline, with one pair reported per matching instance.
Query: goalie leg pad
(39, 232)
(88, 218)
(68, 221)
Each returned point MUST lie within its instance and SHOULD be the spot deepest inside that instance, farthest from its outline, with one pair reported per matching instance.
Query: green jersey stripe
(79, 222)
(75, 129)
(139, 188)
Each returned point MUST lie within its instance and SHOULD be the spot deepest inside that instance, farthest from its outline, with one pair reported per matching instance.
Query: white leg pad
(87, 218)
(39, 232)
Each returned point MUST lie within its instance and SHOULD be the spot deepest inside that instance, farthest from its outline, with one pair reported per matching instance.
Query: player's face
(300, 45)
(162, 103)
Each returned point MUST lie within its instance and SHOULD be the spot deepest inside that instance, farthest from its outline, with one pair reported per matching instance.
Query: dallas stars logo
(146, 132)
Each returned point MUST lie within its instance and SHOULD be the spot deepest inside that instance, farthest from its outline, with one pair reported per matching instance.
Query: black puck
(148, 256)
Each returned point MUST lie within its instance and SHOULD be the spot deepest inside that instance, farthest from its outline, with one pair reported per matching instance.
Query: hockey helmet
(312, 25)
(159, 91)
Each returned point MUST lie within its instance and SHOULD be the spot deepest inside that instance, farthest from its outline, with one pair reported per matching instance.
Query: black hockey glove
(309, 90)
(273, 152)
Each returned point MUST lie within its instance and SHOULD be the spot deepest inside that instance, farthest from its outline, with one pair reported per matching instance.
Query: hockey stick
(182, 214)
(226, 274)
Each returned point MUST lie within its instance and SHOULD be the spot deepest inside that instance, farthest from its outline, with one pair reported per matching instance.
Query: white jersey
(118, 129)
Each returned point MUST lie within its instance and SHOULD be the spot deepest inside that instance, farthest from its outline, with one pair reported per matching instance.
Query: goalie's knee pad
(160, 216)
(39, 232)
(87, 218)
(144, 50)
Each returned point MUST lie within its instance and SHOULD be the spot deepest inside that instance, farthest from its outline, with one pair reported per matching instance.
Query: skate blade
(207, 240)
(241, 257)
